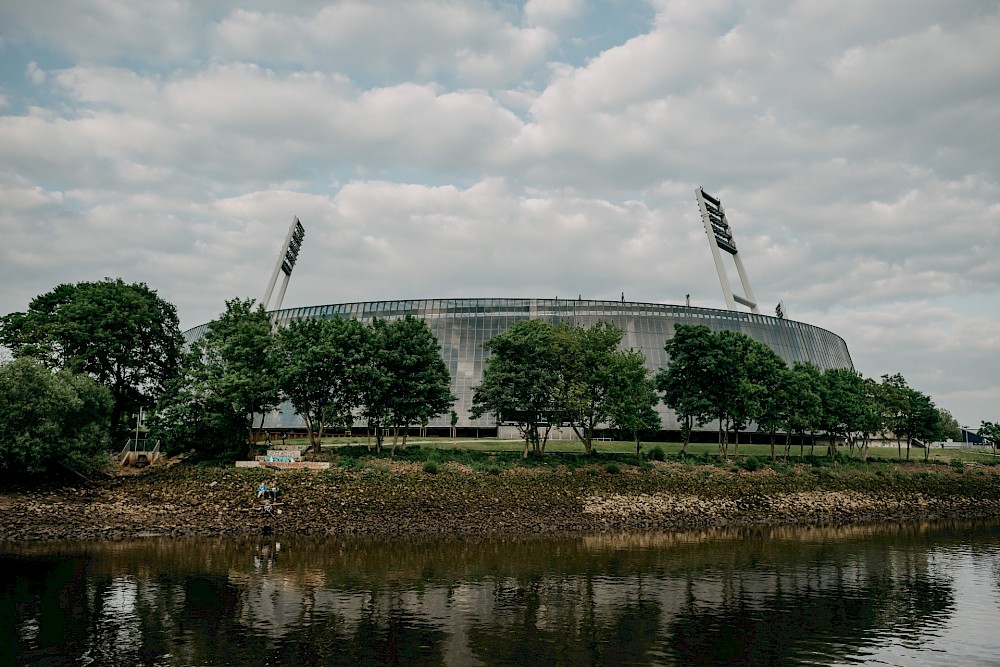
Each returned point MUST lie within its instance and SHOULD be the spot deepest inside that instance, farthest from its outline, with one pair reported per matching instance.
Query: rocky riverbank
(401, 499)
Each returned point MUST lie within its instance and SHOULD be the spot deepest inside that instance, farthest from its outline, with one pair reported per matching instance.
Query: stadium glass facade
(463, 325)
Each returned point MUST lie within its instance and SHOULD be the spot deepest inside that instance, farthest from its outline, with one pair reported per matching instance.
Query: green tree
(685, 380)
(738, 391)
(950, 427)
(843, 396)
(520, 381)
(50, 418)
(631, 396)
(417, 383)
(588, 362)
(317, 364)
(804, 409)
(770, 382)
(921, 421)
(873, 416)
(123, 335)
(990, 433)
(892, 403)
(226, 379)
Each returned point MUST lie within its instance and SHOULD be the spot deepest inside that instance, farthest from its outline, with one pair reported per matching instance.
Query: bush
(656, 454)
(751, 463)
(349, 463)
(612, 469)
(431, 467)
(50, 418)
(782, 468)
(957, 464)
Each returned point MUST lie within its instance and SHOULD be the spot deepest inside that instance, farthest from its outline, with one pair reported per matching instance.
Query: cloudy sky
(538, 149)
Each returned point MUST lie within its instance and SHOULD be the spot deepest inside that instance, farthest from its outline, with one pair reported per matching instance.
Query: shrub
(612, 469)
(751, 463)
(349, 463)
(783, 468)
(656, 454)
(431, 467)
(957, 464)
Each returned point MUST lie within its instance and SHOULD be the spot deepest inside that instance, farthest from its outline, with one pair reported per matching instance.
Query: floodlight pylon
(720, 237)
(286, 262)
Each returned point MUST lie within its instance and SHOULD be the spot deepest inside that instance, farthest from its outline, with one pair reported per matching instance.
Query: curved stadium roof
(463, 325)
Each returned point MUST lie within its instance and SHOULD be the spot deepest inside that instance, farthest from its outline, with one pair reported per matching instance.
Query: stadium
(461, 326)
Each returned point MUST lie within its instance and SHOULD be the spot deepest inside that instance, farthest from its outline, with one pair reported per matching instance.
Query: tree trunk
(908, 439)
(772, 445)
(722, 452)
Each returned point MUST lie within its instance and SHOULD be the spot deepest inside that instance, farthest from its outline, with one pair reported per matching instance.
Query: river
(913, 594)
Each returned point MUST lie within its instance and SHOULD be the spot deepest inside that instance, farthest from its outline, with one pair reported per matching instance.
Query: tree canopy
(520, 381)
(407, 380)
(50, 418)
(123, 335)
(226, 379)
(317, 364)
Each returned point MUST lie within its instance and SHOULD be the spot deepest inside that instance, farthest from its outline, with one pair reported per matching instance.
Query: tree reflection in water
(749, 596)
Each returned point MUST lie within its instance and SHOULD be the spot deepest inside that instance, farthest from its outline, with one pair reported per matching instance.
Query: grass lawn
(701, 450)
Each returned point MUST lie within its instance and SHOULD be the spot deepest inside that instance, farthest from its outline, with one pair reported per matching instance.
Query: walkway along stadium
(463, 325)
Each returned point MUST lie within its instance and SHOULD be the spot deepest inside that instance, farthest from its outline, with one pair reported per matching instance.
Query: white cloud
(551, 12)
(425, 39)
(437, 148)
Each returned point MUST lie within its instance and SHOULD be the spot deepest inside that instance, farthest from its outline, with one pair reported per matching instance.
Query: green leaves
(521, 379)
(317, 363)
(226, 378)
(50, 417)
(122, 335)
(405, 380)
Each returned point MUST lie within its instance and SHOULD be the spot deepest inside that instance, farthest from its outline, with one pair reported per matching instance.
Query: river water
(913, 594)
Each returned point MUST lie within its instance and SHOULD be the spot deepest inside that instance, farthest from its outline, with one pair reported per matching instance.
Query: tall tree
(227, 378)
(50, 418)
(843, 396)
(417, 383)
(770, 381)
(123, 335)
(631, 396)
(804, 409)
(921, 421)
(520, 380)
(893, 398)
(588, 363)
(950, 427)
(685, 380)
(317, 364)
(990, 433)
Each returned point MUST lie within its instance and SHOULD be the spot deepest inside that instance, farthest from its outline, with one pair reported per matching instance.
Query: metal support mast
(286, 261)
(720, 237)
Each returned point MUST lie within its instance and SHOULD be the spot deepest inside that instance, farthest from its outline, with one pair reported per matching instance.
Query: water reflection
(739, 596)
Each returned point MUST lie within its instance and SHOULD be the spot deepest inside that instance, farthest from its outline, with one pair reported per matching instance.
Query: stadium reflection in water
(910, 594)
